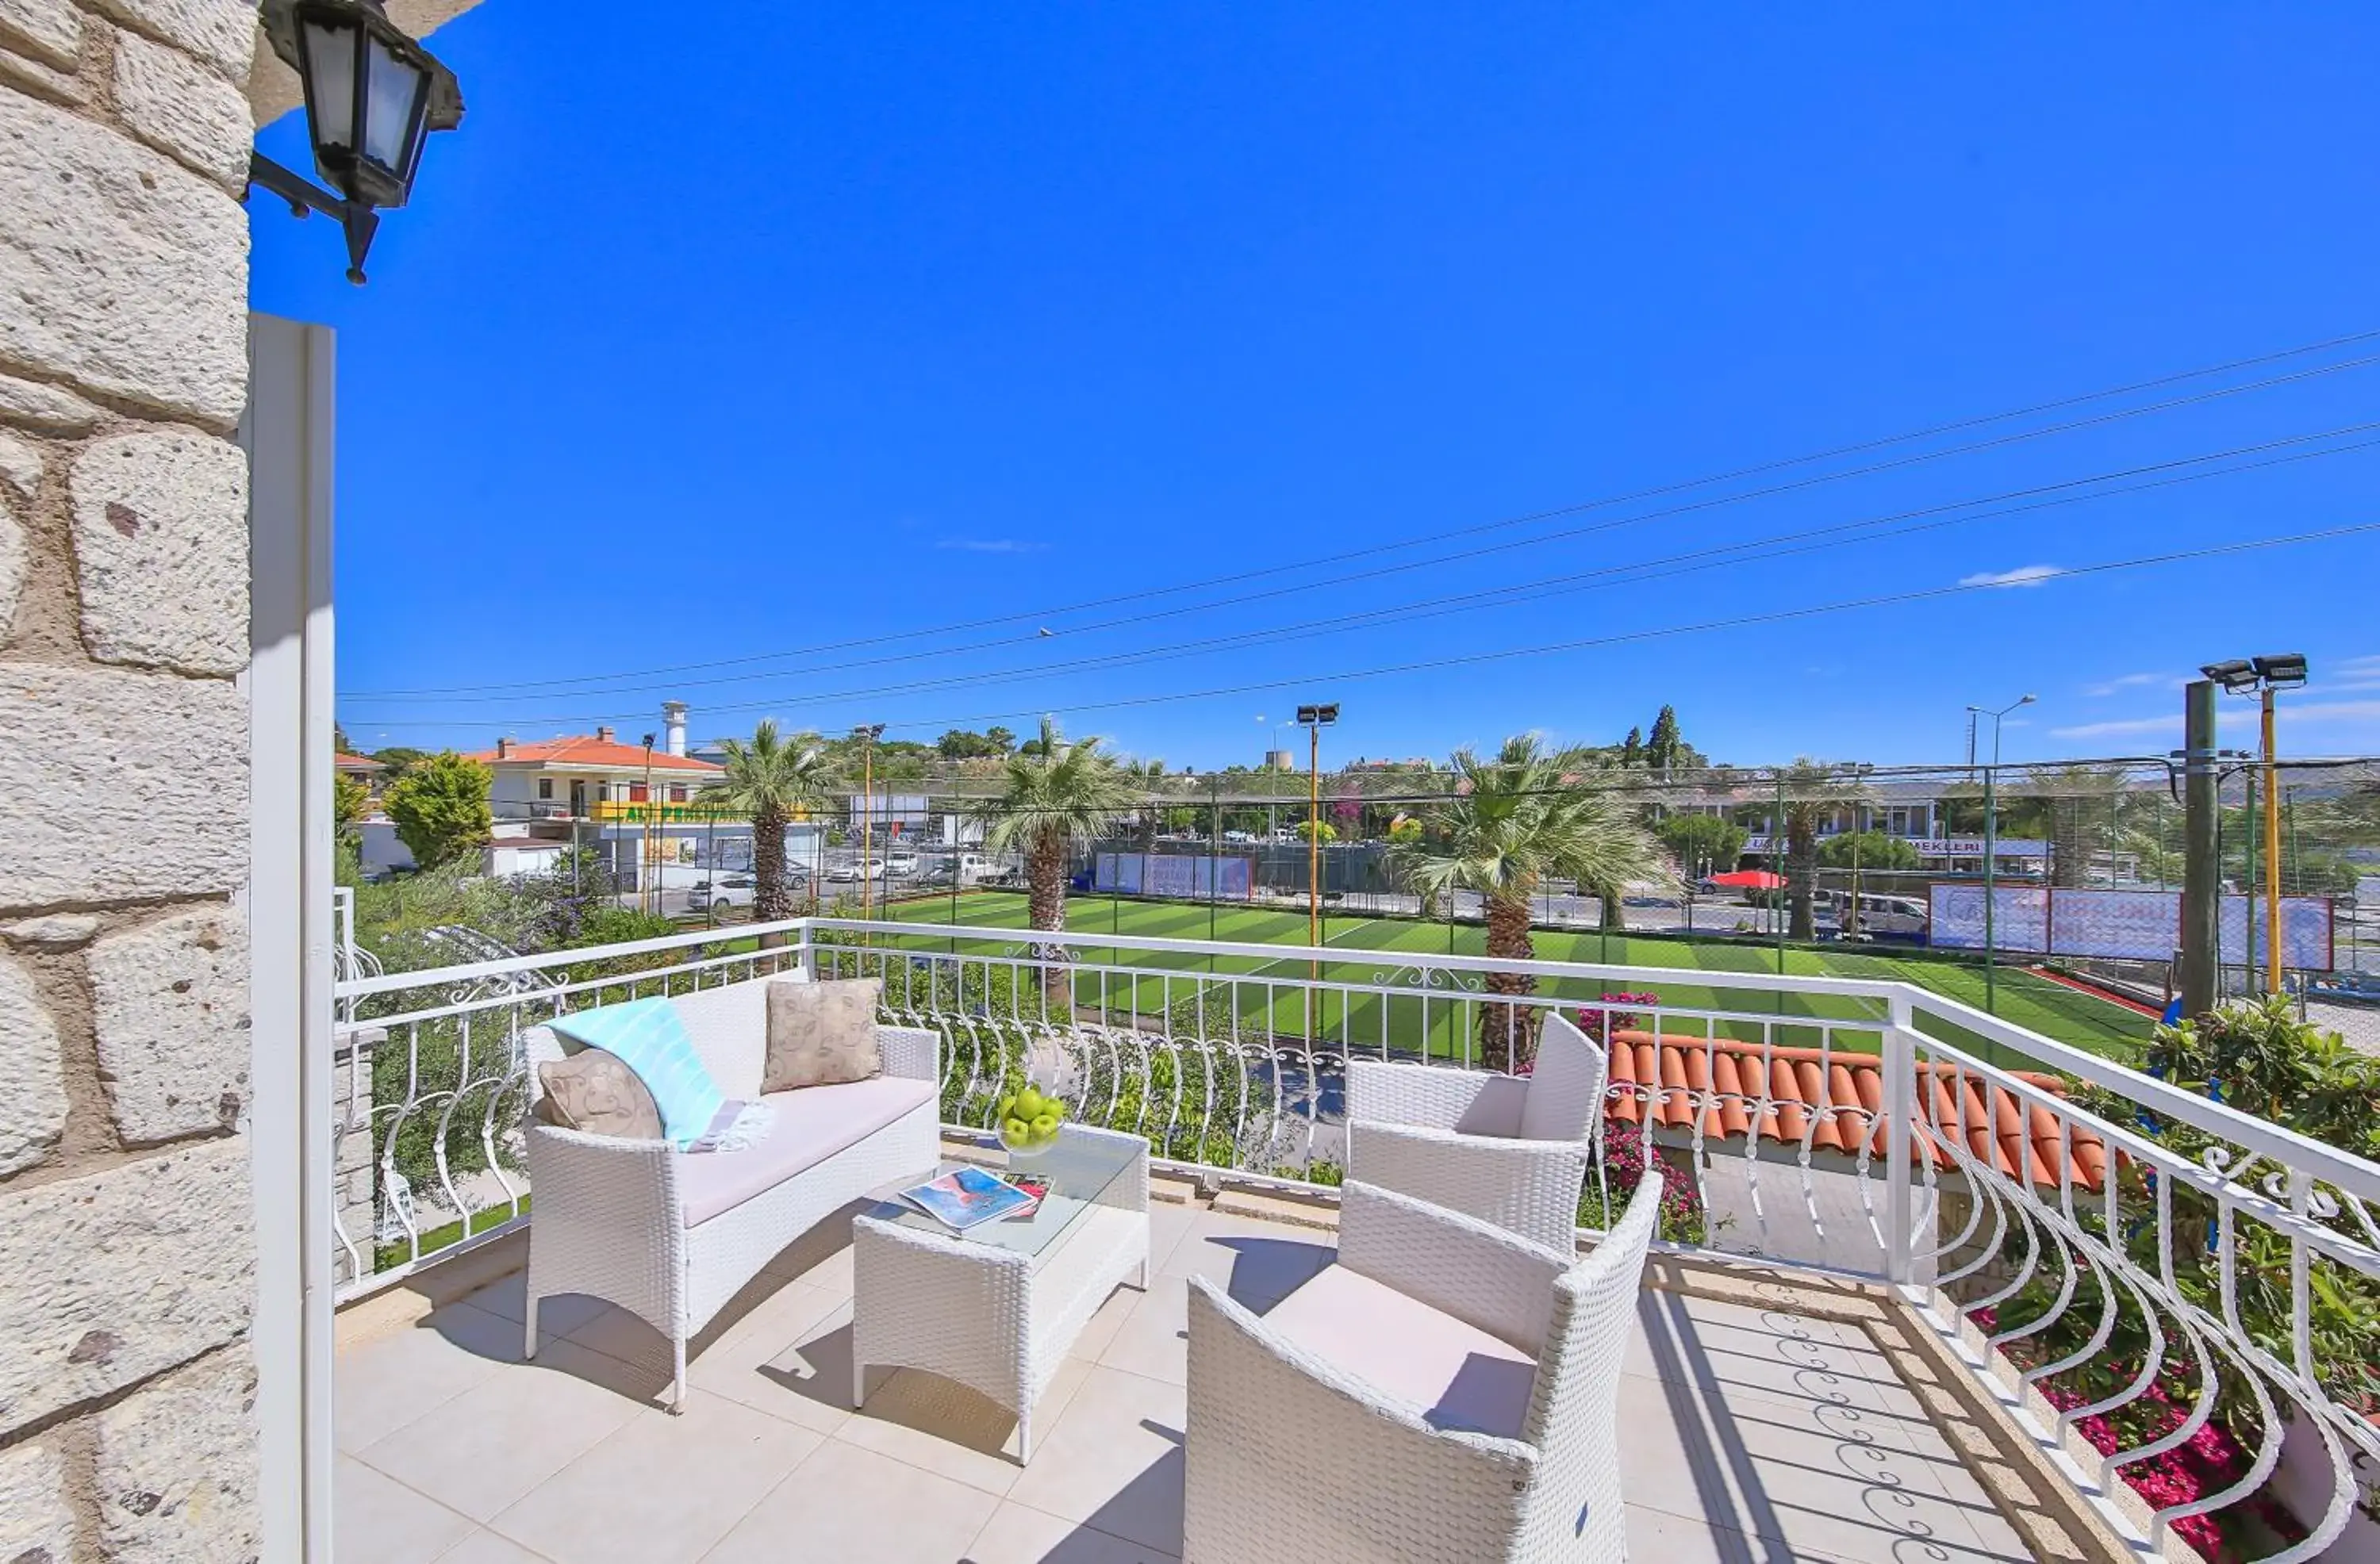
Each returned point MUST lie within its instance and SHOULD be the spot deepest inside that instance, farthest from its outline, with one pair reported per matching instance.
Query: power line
(556, 685)
(1739, 622)
(1717, 556)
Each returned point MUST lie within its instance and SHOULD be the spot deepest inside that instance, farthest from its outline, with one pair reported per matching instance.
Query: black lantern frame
(373, 95)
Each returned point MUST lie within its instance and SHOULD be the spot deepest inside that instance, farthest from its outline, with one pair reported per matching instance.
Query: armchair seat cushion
(812, 1125)
(1458, 1375)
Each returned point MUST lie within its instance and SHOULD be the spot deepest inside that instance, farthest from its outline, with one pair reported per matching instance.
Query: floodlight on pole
(2261, 676)
(1314, 719)
(1991, 834)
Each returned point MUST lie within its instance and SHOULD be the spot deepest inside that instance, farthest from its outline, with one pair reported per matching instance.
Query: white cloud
(992, 545)
(2123, 682)
(2023, 576)
(2306, 714)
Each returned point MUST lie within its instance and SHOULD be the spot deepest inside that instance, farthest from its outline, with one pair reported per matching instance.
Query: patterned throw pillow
(594, 1091)
(821, 1034)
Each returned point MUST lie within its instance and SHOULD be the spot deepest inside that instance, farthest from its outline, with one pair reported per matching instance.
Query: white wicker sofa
(1445, 1391)
(672, 1236)
(1508, 1149)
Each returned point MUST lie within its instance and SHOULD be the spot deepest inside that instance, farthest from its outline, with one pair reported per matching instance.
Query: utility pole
(646, 899)
(2201, 916)
(866, 734)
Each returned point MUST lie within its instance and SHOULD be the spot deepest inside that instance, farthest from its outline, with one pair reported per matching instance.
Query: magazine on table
(963, 1199)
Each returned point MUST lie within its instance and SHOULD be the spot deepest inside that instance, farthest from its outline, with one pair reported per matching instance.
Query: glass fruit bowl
(1028, 1119)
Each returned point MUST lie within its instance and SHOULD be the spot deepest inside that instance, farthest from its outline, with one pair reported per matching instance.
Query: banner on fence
(1187, 876)
(2123, 925)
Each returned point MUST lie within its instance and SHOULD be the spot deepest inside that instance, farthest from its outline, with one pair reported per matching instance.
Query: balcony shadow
(1747, 1521)
(1266, 1270)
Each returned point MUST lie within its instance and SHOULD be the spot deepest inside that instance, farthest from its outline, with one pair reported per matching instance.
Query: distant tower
(674, 724)
(1279, 760)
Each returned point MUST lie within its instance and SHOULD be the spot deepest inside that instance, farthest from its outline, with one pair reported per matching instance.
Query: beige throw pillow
(821, 1034)
(594, 1091)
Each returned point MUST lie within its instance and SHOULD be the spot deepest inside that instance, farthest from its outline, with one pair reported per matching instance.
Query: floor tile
(1114, 1459)
(489, 1446)
(507, 1295)
(1258, 1262)
(380, 1521)
(1678, 1539)
(800, 1371)
(1167, 1225)
(940, 1427)
(1721, 1349)
(383, 1384)
(845, 1504)
(486, 1547)
(1825, 1477)
(1019, 1534)
(663, 1489)
(1153, 1339)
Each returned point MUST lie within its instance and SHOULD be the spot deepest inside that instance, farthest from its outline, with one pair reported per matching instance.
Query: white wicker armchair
(1508, 1149)
(1446, 1390)
(672, 1237)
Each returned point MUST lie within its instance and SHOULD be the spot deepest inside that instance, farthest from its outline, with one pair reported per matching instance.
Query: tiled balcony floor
(1748, 1437)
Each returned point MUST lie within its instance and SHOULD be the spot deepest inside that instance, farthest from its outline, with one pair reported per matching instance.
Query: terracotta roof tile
(2020, 1140)
(586, 749)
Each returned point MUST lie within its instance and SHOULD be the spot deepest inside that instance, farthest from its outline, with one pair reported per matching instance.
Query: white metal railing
(2151, 1282)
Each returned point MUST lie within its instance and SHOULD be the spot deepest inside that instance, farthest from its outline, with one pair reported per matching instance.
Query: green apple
(1045, 1125)
(1015, 1129)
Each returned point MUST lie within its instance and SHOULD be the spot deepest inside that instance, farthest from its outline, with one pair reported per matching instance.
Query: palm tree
(1054, 803)
(1514, 819)
(767, 782)
(2082, 803)
(1813, 792)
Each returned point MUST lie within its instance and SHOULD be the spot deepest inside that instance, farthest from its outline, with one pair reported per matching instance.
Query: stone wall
(126, 1226)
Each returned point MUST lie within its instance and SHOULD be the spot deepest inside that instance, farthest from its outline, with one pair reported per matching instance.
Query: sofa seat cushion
(1459, 1376)
(812, 1125)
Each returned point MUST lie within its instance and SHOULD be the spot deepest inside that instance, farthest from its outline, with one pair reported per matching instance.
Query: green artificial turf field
(2022, 998)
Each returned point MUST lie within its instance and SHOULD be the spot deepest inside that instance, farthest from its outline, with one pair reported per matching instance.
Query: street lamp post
(1314, 719)
(866, 734)
(649, 868)
(1991, 841)
(2264, 676)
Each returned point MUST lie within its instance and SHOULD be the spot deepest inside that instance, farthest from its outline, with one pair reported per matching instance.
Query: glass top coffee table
(998, 1307)
(1080, 1171)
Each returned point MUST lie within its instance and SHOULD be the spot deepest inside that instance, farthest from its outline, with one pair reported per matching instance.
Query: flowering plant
(1599, 1022)
(1627, 1154)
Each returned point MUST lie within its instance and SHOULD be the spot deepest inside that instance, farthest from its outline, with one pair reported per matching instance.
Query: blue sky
(782, 344)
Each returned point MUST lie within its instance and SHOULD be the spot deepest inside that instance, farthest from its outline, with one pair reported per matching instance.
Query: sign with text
(2123, 925)
(1187, 876)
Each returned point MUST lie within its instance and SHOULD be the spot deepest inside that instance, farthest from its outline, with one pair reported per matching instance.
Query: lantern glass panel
(331, 64)
(395, 91)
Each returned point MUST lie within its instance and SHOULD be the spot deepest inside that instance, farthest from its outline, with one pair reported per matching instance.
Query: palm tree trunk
(1613, 907)
(1508, 1033)
(1801, 880)
(770, 903)
(1046, 874)
(2069, 857)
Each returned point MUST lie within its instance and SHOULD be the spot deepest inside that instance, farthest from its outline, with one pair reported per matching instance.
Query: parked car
(850, 873)
(901, 861)
(733, 890)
